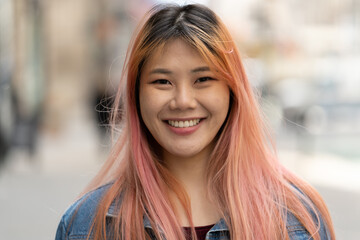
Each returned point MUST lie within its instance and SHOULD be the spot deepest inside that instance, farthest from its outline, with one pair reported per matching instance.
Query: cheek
(146, 105)
(151, 104)
(218, 102)
(143, 102)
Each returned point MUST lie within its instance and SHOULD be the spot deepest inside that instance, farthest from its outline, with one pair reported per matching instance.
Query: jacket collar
(112, 212)
(219, 226)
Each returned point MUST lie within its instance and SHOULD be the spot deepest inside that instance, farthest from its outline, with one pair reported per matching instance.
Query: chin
(185, 153)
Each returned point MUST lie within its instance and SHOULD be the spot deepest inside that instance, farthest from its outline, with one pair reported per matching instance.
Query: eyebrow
(200, 69)
(160, 70)
(166, 71)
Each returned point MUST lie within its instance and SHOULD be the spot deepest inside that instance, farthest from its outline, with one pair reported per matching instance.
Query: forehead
(175, 52)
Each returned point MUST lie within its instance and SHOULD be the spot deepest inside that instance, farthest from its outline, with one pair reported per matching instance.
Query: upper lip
(182, 119)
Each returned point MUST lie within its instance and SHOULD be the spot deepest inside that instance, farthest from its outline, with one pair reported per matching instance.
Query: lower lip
(184, 131)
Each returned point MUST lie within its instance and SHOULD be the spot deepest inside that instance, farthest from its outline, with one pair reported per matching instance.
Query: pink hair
(246, 182)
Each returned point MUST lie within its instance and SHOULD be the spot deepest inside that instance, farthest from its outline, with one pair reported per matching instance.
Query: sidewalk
(35, 192)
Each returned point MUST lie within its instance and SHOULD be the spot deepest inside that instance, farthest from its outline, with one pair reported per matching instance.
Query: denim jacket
(77, 220)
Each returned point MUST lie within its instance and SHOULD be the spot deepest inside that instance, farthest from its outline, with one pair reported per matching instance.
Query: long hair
(250, 188)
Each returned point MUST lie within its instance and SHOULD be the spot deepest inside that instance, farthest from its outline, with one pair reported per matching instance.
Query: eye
(204, 79)
(161, 82)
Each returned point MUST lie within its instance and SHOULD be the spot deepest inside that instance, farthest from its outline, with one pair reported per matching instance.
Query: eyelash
(161, 82)
(203, 79)
(166, 82)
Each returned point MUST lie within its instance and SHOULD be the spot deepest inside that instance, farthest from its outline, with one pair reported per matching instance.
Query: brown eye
(161, 81)
(204, 79)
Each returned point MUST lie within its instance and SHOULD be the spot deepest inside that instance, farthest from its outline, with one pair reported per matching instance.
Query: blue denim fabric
(77, 220)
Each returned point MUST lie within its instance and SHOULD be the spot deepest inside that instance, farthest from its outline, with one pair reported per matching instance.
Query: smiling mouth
(184, 124)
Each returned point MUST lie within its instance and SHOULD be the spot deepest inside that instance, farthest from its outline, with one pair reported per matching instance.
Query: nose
(183, 98)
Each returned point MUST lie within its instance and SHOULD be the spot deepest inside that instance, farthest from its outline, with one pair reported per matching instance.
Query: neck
(190, 171)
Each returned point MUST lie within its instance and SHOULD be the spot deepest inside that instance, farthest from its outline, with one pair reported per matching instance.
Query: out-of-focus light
(316, 120)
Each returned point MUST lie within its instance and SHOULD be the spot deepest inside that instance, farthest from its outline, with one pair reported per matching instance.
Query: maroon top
(200, 232)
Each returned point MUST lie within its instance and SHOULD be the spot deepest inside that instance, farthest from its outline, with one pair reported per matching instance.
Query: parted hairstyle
(245, 181)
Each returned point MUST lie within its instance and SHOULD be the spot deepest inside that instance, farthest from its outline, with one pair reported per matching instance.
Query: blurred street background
(60, 62)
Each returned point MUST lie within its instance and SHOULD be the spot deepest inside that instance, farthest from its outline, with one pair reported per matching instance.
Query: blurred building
(63, 59)
(307, 57)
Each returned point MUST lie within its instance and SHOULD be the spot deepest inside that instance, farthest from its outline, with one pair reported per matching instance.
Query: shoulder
(297, 231)
(77, 219)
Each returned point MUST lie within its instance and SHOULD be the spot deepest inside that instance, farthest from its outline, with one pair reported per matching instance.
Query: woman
(193, 159)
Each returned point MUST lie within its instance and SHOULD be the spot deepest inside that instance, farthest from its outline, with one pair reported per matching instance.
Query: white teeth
(184, 124)
(191, 123)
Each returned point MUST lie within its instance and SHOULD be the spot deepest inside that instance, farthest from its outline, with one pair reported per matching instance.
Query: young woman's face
(182, 104)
